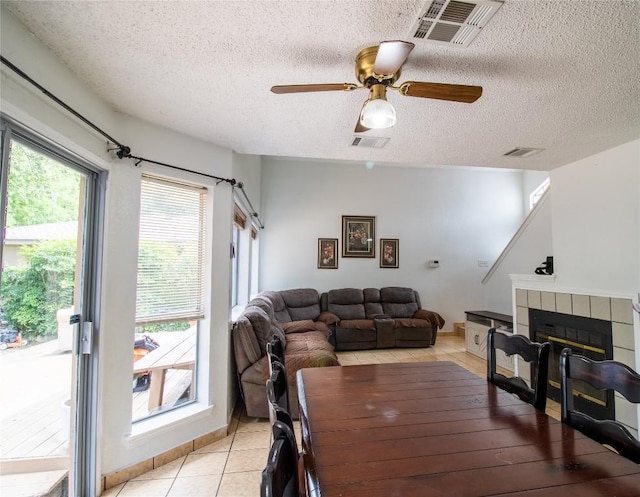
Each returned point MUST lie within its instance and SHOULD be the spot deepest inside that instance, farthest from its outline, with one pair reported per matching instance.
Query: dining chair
(279, 414)
(275, 351)
(283, 418)
(601, 375)
(280, 477)
(278, 390)
(537, 354)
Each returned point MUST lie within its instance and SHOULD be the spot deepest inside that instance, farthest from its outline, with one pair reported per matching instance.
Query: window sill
(236, 310)
(155, 425)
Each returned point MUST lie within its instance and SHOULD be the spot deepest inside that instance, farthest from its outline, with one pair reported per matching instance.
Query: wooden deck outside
(36, 431)
(172, 367)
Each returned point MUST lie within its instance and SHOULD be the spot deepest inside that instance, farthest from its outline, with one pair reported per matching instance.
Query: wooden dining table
(424, 429)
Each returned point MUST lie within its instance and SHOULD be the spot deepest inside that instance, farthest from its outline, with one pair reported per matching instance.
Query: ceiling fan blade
(391, 56)
(280, 89)
(441, 91)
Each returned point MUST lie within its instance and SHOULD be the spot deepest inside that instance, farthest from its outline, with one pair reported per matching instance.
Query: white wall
(122, 444)
(455, 215)
(528, 251)
(247, 169)
(596, 221)
(23, 103)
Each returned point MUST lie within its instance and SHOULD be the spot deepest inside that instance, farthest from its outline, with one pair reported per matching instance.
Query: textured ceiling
(562, 75)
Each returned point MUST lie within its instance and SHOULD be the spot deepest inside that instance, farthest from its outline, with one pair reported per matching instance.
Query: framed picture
(358, 236)
(327, 253)
(389, 252)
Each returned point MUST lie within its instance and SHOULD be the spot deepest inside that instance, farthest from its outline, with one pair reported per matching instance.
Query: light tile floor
(232, 467)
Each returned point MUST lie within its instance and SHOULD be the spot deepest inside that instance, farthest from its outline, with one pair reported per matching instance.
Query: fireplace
(584, 336)
(621, 333)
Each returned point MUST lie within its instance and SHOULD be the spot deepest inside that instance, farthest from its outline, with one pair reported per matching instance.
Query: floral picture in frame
(389, 252)
(327, 253)
(358, 236)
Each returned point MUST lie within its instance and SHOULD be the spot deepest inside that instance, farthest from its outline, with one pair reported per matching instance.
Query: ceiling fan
(377, 69)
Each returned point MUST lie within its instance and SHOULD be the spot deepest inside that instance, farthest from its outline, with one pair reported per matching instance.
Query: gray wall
(455, 215)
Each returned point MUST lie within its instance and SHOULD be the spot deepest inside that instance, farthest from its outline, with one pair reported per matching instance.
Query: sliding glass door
(48, 302)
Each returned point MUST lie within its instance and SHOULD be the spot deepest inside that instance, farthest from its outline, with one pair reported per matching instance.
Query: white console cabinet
(476, 327)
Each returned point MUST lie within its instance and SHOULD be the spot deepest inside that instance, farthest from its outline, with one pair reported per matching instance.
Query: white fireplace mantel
(548, 283)
(538, 291)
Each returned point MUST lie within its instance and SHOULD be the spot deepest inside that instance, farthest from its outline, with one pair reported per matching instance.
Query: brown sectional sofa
(293, 316)
(379, 318)
(311, 326)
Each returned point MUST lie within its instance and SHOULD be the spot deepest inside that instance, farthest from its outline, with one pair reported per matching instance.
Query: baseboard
(126, 474)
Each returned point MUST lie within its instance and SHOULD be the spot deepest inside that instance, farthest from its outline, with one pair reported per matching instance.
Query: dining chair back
(600, 375)
(537, 354)
(278, 390)
(275, 351)
(280, 477)
(279, 414)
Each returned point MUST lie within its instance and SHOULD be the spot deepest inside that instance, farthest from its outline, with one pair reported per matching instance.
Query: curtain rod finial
(123, 151)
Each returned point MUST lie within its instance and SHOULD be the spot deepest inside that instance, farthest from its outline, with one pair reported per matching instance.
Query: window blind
(170, 282)
(239, 217)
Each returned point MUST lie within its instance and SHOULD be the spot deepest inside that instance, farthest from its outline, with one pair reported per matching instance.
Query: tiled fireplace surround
(540, 292)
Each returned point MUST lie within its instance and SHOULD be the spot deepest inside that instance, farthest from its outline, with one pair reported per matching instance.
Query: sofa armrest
(379, 316)
(434, 318)
(328, 318)
(385, 334)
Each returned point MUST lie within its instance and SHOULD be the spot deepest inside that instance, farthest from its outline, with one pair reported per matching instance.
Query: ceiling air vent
(369, 141)
(523, 152)
(452, 22)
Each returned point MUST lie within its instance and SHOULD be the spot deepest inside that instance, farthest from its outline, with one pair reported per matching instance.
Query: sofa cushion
(346, 303)
(358, 324)
(280, 311)
(309, 359)
(399, 302)
(305, 325)
(263, 327)
(397, 294)
(328, 318)
(302, 303)
(372, 304)
(434, 318)
(411, 323)
(345, 296)
(245, 345)
(316, 337)
(371, 294)
(265, 304)
(373, 309)
(400, 310)
(306, 350)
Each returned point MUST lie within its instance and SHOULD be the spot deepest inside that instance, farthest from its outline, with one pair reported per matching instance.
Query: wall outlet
(433, 263)
(483, 263)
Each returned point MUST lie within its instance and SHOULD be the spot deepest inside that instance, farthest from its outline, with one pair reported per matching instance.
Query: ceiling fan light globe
(378, 114)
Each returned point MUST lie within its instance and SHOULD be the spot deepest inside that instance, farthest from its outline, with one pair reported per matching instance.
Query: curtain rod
(253, 211)
(122, 151)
